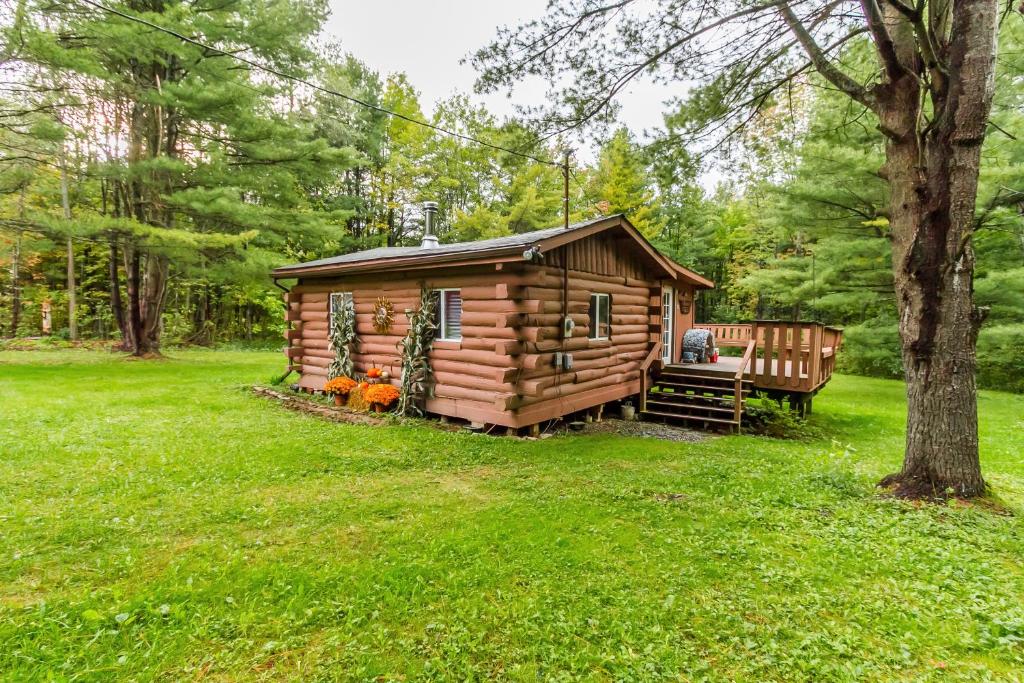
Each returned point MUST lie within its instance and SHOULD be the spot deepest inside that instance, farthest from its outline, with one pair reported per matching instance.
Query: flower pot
(339, 400)
(378, 408)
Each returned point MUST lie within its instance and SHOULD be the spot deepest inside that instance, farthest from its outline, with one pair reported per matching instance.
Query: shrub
(872, 349)
(1001, 358)
(766, 417)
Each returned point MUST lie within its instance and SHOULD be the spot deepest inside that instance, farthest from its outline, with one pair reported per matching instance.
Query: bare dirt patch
(310, 406)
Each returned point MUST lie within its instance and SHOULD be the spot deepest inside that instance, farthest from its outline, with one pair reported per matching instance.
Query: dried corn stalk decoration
(342, 336)
(416, 371)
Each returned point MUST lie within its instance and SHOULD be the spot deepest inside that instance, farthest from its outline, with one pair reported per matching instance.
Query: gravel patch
(650, 430)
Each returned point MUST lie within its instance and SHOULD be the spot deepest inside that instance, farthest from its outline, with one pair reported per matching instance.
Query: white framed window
(449, 315)
(600, 316)
(667, 319)
(335, 304)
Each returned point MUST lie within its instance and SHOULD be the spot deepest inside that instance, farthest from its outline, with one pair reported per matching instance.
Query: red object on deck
(714, 356)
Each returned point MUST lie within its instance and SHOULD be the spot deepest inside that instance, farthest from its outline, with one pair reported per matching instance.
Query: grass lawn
(159, 522)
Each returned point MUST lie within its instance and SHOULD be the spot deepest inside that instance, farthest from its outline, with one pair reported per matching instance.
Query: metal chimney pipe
(429, 221)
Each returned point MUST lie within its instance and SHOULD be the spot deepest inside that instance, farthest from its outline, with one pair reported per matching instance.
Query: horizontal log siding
(603, 370)
(473, 379)
(502, 372)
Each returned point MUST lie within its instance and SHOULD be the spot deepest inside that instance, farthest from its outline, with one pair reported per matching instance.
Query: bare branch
(883, 41)
(623, 80)
(926, 40)
(821, 62)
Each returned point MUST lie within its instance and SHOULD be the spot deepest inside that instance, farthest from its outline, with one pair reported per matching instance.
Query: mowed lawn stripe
(160, 522)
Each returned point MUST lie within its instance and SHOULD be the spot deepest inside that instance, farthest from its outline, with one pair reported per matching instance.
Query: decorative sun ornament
(383, 315)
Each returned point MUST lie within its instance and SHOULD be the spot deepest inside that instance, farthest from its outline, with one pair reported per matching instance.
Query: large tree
(201, 161)
(931, 90)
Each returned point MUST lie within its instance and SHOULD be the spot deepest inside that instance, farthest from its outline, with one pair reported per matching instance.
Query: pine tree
(199, 164)
(621, 183)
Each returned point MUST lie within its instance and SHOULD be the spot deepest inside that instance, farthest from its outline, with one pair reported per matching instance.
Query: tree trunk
(134, 318)
(934, 180)
(16, 285)
(151, 304)
(938, 326)
(116, 306)
(66, 204)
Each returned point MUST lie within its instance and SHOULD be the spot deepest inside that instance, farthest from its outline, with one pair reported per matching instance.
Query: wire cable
(329, 91)
(54, 235)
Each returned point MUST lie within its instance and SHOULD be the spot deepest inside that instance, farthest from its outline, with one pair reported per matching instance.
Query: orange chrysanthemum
(384, 394)
(340, 386)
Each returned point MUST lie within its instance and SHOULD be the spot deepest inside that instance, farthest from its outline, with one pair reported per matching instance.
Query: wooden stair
(699, 398)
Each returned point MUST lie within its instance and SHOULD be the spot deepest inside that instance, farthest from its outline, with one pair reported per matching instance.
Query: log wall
(474, 377)
(503, 370)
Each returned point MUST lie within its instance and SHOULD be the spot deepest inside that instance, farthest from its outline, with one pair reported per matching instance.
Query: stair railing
(746, 366)
(645, 368)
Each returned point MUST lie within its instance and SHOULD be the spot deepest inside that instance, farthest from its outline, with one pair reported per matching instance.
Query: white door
(667, 319)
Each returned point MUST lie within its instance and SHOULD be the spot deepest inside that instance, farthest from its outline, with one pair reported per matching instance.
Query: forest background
(142, 173)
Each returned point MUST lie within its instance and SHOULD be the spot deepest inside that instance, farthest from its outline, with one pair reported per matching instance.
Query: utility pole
(66, 202)
(565, 189)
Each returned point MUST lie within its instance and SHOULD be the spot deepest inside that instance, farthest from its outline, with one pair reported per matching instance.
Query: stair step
(692, 406)
(692, 418)
(724, 376)
(703, 387)
(693, 399)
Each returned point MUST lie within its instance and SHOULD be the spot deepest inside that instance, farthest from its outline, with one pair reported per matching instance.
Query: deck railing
(645, 369)
(786, 356)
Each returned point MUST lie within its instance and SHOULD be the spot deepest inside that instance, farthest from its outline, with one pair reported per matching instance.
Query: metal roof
(523, 240)
(505, 248)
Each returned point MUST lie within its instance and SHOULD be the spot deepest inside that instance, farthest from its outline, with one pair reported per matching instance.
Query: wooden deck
(791, 360)
(789, 357)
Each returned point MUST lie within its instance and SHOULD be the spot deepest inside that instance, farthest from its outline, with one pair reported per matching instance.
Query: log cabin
(538, 326)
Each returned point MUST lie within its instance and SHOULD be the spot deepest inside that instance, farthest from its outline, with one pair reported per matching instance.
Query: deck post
(643, 391)
(814, 360)
(769, 344)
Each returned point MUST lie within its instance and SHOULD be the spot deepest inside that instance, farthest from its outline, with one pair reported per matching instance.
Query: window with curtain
(600, 316)
(449, 315)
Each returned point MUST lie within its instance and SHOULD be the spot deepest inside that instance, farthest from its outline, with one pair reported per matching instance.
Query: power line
(53, 235)
(310, 84)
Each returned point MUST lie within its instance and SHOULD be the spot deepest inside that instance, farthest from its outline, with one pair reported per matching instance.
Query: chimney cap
(429, 214)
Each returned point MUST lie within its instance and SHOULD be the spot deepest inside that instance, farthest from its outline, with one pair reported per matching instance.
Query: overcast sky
(426, 39)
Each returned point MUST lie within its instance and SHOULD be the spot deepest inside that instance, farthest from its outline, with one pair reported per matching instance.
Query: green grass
(159, 522)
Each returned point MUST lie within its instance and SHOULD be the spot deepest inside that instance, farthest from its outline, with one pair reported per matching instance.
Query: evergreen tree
(621, 183)
(197, 164)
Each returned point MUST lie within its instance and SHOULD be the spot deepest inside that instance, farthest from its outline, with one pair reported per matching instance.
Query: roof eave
(412, 262)
(693, 278)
